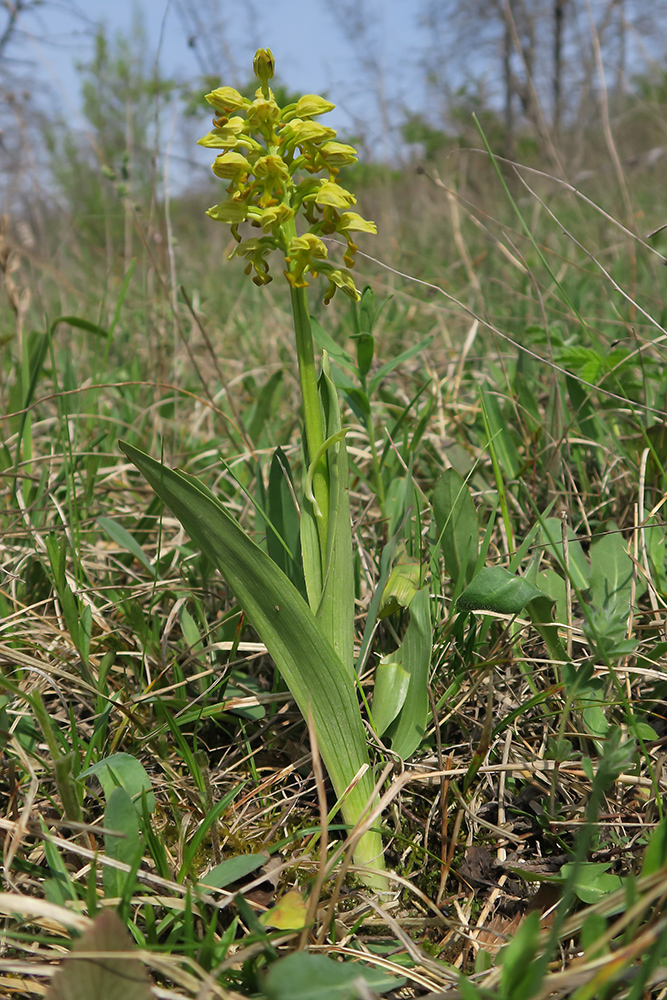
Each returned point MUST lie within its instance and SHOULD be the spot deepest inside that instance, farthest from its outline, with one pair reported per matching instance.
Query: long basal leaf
(288, 628)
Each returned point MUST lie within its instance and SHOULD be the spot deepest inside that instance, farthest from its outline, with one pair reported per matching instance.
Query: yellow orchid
(231, 165)
(226, 99)
(271, 156)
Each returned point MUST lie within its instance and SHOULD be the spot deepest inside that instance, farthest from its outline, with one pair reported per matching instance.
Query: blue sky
(312, 52)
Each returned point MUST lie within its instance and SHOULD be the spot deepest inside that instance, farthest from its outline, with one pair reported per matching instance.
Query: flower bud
(264, 65)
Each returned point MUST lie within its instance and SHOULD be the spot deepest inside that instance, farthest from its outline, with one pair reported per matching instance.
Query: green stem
(312, 412)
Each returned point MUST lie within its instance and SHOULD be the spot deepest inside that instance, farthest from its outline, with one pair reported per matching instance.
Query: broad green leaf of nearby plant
(123, 842)
(121, 770)
(592, 880)
(578, 565)
(302, 976)
(611, 571)
(456, 525)
(101, 978)
(655, 856)
(540, 612)
(552, 584)
(392, 681)
(496, 589)
(233, 869)
(315, 675)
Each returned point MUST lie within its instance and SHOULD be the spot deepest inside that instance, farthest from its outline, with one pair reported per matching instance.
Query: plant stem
(312, 412)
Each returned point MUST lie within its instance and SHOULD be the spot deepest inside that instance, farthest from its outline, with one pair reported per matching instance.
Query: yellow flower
(262, 114)
(231, 165)
(271, 166)
(303, 255)
(232, 211)
(298, 132)
(311, 105)
(226, 136)
(338, 278)
(350, 221)
(338, 154)
(256, 251)
(276, 215)
(226, 99)
(274, 159)
(331, 193)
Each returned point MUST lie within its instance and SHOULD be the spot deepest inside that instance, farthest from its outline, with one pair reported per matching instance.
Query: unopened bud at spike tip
(264, 65)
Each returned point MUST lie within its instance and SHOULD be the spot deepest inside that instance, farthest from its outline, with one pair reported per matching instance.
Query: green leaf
(118, 534)
(395, 362)
(408, 731)
(401, 587)
(592, 881)
(120, 978)
(496, 589)
(302, 976)
(552, 530)
(124, 843)
(189, 629)
(265, 400)
(365, 349)
(283, 540)
(328, 344)
(233, 869)
(553, 585)
(392, 681)
(315, 675)
(655, 856)
(540, 612)
(456, 524)
(521, 973)
(596, 720)
(503, 442)
(81, 324)
(121, 770)
(336, 608)
(611, 572)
